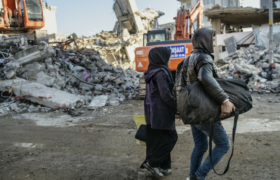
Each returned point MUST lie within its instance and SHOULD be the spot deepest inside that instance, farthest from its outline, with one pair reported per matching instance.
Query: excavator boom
(185, 20)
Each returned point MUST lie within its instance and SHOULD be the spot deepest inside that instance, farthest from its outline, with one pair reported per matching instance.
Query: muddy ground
(101, 145)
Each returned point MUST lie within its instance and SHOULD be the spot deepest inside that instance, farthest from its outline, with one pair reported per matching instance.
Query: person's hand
(227, 108)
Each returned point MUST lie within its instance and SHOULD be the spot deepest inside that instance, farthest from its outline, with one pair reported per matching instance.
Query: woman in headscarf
(159, 105)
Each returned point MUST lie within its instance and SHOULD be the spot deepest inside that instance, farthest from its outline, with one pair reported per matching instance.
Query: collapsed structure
(252, 65)
(251, 61)
(58, 78)
(77, 72)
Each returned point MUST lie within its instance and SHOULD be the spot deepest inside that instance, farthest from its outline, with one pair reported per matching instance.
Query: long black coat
(159, 101)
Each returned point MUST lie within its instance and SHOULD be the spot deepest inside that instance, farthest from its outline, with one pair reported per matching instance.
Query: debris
(6, 85)
(34, 53)
(114, 103)
(149, 17)
(14, 106)
(251, 65)
(98, 101)
(75, 114)
(49, 97)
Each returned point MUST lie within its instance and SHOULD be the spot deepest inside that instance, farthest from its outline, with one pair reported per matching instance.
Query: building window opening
(230, 3)
(206, 2)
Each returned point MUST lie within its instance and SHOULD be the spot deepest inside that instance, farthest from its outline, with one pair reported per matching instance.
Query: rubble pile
(55, 78)
(117, 49)
(252, 65)
(111, 47)
(149, 17)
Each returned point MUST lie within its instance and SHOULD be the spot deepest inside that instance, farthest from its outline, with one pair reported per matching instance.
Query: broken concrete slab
(230, 44)
(5, 85)
(14, 106)
(98, 101)
(34, 53)
(49, 97)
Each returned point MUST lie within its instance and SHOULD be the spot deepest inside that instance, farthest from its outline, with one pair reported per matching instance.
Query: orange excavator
(21, 16)
(181, 47)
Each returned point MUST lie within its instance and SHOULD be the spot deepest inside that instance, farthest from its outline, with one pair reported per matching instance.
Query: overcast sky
(86, 17)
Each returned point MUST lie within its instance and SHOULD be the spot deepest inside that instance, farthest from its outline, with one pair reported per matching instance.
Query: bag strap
(233, 139)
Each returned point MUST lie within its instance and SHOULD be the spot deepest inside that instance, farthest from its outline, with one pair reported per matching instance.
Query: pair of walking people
(160, 109)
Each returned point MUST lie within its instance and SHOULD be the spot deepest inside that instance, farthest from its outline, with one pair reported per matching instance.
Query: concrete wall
(50, 18)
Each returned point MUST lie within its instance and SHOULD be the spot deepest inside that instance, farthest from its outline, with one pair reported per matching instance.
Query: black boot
(194, 177)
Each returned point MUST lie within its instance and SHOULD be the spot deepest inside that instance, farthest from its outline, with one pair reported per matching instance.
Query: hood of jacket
(203, 39)
(148, 75)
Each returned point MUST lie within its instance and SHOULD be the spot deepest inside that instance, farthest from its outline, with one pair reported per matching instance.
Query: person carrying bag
(160, 133)
(203, 100)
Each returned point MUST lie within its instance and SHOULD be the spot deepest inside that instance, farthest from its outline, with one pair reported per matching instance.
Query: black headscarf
(158, 58)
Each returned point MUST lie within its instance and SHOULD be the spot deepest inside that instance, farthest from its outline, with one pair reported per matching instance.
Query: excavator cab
(21, 15)
(156, 36)
(34, 10)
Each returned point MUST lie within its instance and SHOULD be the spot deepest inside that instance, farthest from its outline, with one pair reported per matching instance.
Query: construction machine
(181, 47)
(22, 16)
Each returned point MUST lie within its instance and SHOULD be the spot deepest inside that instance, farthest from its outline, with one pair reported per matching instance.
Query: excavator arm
(185, 20)
(197, 12)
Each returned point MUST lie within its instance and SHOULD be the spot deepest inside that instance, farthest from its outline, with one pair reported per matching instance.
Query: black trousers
(159, 143)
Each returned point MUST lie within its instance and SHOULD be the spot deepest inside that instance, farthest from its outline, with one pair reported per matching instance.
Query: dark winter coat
(159, 101)
(199, 66)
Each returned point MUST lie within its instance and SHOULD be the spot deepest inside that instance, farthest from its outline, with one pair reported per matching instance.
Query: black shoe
(194, 177)
(155, 171)
(166, 172)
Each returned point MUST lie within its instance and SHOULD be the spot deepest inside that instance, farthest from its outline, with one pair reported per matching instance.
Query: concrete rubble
(149, 18)
(252, 65)
(6, 85)
(98, 101)
(49, 97)
(58, 78)
(117, 51)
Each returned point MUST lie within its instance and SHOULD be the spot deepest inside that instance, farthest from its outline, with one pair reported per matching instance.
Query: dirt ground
(101, 145)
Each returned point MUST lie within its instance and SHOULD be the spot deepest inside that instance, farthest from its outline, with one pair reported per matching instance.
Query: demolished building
(58, 78)
(245, 55)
